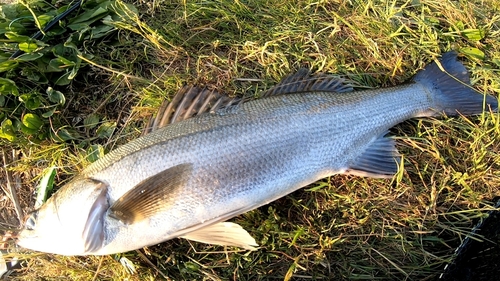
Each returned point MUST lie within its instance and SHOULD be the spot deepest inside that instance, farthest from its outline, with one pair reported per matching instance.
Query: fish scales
(252, 154)
(291, 126)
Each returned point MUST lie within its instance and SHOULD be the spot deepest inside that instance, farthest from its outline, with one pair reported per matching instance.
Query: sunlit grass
(343, 227)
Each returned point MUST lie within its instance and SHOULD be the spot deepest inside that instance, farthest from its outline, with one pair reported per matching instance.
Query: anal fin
(380, 160)
(224, 234)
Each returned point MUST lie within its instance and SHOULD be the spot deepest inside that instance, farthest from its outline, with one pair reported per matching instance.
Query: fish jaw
(64, 220)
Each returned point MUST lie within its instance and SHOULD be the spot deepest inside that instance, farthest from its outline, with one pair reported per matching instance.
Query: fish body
(183, 180)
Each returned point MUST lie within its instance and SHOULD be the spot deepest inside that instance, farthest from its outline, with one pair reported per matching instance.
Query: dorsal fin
(303, 81)
(191, 101)
(188, 102)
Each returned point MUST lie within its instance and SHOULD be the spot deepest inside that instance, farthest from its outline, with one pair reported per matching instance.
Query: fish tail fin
(453, 93)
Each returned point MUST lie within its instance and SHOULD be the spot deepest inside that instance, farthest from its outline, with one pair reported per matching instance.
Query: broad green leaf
(473, 52)
(28, 131)
(6, 124)
(8, 86)
(56, 30)
(29, 57)
(7, 135)
(7, 65)
(91, 15)
(7, 130)
(49, 113)
(65, 50)
(17, 124)
(45, 186)
(32, 121)
(74, 71)
(9, 11)
(12, 27)
(91, 121)
(35, 75)
(65, 62)
(63, 80)
(31, 101)
(17, 37)
(65, 134)
(87, 18)
(94, 152)
(44, 19)
(106, 129)
(474, 34)
(55, 96)
(28, 47)
(71, 45)
(79, 26)
(101, 31)
(60, 64)
(2, 104)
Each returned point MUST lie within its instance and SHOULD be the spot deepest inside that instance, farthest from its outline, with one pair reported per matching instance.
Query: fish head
(71, 222)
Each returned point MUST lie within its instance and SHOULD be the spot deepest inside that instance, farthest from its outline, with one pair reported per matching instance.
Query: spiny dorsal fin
(303, 81)
(151, 196)
(380, 160)
(224, 234)
(188, 102)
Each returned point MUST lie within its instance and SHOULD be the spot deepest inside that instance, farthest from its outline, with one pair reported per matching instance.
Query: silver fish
(188, 178)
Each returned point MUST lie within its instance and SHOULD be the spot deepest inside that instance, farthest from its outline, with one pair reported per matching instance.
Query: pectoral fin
(225, 234)
(152, 195)
(93, 232)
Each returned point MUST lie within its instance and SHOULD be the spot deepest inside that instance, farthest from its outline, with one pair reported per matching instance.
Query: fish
(219, 158)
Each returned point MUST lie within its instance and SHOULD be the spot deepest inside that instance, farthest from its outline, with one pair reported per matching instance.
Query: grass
(340, 228)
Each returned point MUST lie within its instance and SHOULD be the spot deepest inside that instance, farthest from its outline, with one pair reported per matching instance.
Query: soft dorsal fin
(303, 81)
(380, 160)
(150, 196)
(224, 234)
(188, 102)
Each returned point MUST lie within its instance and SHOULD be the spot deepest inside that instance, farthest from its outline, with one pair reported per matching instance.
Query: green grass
(341, 228)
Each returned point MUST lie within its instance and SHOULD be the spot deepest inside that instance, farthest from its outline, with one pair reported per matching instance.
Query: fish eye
(30, 223)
